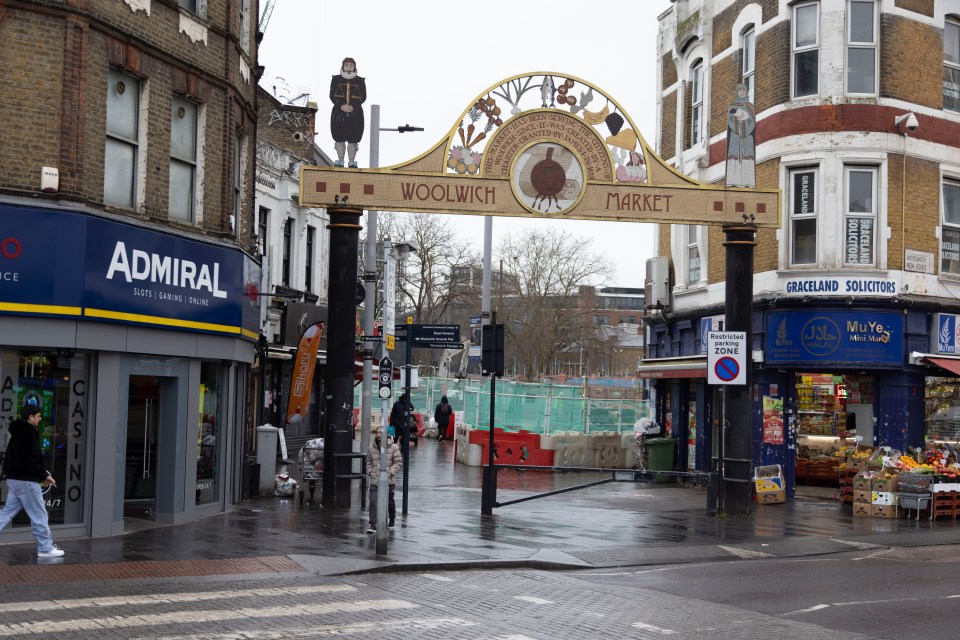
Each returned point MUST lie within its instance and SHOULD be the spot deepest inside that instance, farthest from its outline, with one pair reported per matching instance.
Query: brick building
(855, 295)
(128, 288)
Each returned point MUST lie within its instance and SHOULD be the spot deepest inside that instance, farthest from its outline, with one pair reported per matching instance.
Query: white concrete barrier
(607, 450)
(570, 449)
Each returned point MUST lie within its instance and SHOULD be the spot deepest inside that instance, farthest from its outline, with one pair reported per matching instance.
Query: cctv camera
(909, 120)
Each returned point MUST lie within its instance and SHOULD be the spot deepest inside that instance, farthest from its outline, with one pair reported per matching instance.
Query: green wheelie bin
(660, 456)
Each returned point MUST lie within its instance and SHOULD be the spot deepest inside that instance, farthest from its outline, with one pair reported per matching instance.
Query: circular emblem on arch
(547, 177)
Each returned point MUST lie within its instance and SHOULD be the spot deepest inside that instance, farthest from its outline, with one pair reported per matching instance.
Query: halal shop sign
(727, 357)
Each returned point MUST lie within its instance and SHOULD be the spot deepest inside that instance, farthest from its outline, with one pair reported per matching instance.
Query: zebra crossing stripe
(195, 617)
(167, 598)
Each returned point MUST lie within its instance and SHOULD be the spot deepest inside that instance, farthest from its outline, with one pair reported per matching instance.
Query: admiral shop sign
(842, 337)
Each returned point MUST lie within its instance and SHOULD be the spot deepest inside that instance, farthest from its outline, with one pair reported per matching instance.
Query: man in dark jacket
(23, 468)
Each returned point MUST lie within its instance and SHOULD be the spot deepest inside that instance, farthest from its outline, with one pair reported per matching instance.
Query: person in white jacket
(394, 466)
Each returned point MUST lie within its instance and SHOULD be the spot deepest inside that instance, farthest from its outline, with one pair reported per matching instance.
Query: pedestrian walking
(23, 468)
(442, 416)
(394, 464)
(401, 415)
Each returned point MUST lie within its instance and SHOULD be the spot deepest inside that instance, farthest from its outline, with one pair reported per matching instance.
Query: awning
(950, 364)
(673, 368)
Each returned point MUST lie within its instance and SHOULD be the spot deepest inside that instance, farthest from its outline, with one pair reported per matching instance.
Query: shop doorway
(143, 428)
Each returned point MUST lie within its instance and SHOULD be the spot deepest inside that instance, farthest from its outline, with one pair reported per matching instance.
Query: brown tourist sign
(549, 156)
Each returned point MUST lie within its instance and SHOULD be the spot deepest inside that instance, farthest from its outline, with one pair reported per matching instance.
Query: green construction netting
(536, 407)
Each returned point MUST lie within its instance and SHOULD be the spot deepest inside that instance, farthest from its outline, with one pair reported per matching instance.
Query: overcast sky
(425, 61)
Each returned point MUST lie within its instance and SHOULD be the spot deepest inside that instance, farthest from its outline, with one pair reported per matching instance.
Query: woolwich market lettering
(542, 145)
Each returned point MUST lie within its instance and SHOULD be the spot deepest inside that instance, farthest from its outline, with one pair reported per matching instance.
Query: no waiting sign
(727, 357)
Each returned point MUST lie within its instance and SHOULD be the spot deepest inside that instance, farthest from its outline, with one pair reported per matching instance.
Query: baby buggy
(310, 465)
(643, 428)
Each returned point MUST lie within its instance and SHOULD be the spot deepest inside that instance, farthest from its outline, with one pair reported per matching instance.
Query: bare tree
(547, 267)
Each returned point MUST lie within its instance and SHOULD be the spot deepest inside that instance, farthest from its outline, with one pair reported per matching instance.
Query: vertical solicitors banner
(64, 263)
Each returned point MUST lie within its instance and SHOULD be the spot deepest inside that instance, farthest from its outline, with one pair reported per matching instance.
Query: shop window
(803, 216)
(951, 64)
(748, 68)
(694, 274)
(942, 409)
(696, 103)
(950, 248)
(862, 47)
(121, 156)
(183, 160)
(806, 50)
(859, 232)
(57, 383)
(209, 442)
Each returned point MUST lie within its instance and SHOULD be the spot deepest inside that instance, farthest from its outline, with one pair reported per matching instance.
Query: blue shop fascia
(825, 370)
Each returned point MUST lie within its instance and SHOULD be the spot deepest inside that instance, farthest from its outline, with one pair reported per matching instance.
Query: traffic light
(491, 359)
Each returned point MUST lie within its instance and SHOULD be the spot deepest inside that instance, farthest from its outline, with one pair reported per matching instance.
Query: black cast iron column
(341, 334)
(736, 448)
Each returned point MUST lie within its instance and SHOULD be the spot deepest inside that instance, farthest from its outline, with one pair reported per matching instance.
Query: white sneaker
(54, 552)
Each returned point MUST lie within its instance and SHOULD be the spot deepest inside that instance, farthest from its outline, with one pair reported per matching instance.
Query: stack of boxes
(874, 493)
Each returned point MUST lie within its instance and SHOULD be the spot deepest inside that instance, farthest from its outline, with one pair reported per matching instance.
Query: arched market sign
(542, 145)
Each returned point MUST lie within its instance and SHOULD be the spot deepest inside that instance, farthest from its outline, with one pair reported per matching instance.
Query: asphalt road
(880, 593)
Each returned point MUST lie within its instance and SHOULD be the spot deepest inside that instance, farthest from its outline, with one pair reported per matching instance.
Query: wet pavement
(611, 525)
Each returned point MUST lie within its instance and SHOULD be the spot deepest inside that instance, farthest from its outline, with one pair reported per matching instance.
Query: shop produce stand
(310, 466)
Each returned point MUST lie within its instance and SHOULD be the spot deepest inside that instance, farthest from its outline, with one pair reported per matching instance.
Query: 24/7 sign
(727, 357)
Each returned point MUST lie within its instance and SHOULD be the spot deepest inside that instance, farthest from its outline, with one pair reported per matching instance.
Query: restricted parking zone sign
(727, 357)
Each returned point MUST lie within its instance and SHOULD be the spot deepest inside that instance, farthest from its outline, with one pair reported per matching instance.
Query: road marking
(874, 554)
(858, 545)
(193, 617)
(808, 610)
(533, 600)
(160, 598)
(326, 630)
(745, 553)
(650, 627)
(433, 576)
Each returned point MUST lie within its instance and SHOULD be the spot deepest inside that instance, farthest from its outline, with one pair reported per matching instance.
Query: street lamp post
(370, 280)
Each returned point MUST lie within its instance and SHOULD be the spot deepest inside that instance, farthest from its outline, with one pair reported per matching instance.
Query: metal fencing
(543, 408)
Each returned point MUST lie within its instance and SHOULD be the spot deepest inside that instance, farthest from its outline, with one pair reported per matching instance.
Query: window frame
(794, 216)
(263, 229)
(192, 164)
(951, 67)
(237, 184)
(697, 77)
(848, 214)
(945, 226)
(287, 252)
(796, 50)
(872, 45)
(692, 243)
(115, 75)
(748, 45)
(308, 268)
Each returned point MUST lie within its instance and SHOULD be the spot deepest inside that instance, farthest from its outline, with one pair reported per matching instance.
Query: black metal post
(341, 331)
(737, 450)
(405, 448)
(488, 491)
